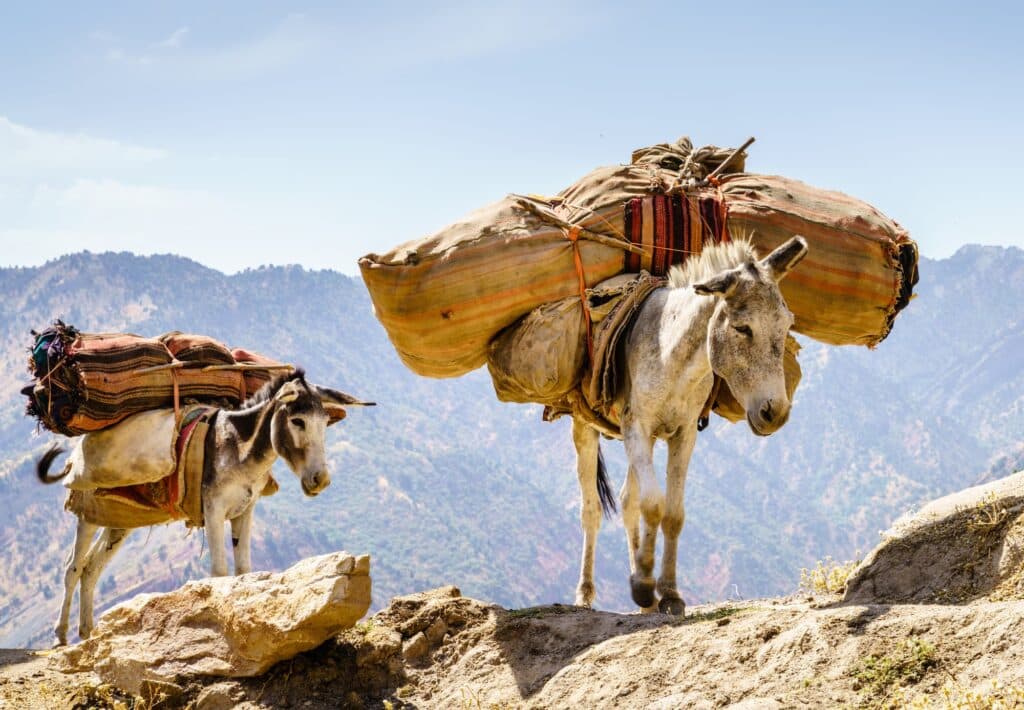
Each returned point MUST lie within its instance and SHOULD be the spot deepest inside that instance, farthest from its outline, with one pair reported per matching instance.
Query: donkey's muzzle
(311, 485)
(768, 419)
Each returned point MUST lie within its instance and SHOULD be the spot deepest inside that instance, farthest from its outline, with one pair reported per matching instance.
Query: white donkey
(285, 418)
(721, 313)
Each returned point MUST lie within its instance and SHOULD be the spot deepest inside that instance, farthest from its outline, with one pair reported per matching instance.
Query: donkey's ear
(289, 392)
(785, 257)
(329, 396)
(722, 285)
(335, 402)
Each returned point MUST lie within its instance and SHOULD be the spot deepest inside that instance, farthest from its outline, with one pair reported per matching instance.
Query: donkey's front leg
(640, 451)
(586, 440)
(214, 514)
(76, 562)
(680, 448)
(241, 536)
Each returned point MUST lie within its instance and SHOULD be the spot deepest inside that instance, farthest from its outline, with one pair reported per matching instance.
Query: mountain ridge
(445, 484)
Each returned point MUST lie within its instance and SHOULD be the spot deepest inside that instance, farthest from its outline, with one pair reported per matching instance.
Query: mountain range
(441, 483)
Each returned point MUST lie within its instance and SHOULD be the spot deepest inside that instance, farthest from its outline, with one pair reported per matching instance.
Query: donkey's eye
(298, 423)
(744, 329)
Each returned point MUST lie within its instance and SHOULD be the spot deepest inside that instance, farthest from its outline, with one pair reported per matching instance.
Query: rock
(955, 549)
(436, 631)
(377, 645)
(416, 647)
(224, 626)
(220, 696)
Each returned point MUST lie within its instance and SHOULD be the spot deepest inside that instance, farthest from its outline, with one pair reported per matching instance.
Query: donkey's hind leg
(586, 440)
(77, 559)
(106, 547)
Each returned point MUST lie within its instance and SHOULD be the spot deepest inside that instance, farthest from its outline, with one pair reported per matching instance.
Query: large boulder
(962, 547)
(224, 626)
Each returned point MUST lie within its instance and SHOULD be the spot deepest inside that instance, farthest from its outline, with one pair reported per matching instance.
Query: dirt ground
(441, 650)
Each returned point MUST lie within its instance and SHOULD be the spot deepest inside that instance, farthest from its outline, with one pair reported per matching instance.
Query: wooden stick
(176, 365)
(238, 367)
(614, 242)
(246, 366)
(725, 164)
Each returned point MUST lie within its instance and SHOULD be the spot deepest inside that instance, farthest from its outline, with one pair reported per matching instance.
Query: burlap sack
(540, 358)
(443, 298)
(140, 449)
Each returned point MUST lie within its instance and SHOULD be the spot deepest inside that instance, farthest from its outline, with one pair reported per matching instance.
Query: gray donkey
(285, 418)
(721, 314)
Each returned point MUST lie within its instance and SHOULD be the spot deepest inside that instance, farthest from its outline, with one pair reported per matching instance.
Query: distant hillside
(442, 484)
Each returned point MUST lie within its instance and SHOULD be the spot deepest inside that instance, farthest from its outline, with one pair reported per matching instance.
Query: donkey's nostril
(766, 412)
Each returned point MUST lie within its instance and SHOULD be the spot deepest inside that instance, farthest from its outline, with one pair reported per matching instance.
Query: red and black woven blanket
(671, 228)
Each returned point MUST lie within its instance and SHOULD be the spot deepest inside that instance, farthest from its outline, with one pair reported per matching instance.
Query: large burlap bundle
(540, 358)
(442, 299)
(106, 494)
(139, 449)
(86, 382)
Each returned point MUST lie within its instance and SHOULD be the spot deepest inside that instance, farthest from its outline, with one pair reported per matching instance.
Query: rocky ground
(441, 650)
(934, 617)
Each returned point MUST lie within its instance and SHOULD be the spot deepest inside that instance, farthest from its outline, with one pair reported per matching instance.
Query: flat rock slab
(956, 549)
(223, 626)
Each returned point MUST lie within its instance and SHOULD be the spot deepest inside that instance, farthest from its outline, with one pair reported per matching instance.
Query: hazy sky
(247, 133)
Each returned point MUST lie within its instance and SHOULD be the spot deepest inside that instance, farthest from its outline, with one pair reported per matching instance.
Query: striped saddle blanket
(87, 382)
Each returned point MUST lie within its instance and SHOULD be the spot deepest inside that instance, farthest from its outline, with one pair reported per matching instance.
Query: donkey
(722, 313)
(285, 418)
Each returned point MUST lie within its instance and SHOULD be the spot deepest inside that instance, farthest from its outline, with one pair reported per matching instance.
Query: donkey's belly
(237, 498)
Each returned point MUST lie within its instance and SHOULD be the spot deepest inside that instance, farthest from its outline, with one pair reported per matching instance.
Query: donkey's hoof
(672, 605)
(585, 595)
(642, 589)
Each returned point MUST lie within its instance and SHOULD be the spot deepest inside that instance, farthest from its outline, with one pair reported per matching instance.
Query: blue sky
(241, 134)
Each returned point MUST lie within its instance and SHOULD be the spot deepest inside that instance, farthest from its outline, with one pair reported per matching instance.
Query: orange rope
(723, 207)
(573, 235)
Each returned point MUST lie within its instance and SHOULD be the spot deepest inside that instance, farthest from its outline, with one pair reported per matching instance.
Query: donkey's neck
(244, 443)
(683, 342)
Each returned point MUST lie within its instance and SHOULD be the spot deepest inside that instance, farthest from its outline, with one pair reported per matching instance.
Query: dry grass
(828, 577)
(955, 696)
(877, 677)
(987, 515)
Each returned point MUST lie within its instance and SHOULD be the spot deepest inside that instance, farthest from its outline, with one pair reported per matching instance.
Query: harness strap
(185, 426)
(573, 235)
(705, 413)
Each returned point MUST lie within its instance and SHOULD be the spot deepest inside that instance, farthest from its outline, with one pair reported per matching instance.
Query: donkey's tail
(43, 467)
(604, 487)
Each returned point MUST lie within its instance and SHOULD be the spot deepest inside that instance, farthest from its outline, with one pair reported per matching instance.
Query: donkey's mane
(711, 261)
(267, 391)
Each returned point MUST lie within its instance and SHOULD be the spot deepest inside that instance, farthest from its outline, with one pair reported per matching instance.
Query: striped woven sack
(86, 382)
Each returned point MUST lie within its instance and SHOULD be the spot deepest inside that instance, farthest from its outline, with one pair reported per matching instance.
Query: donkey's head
(298, 426)
(298, 431)
(747, 333)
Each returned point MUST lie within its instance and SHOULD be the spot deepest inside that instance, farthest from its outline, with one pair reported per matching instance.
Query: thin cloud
(291, 41)
(26, 152)
(175, 40)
